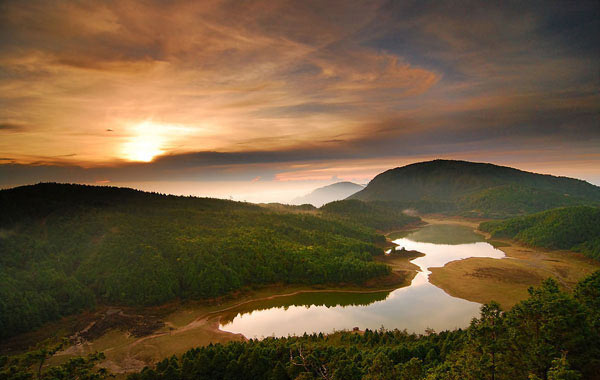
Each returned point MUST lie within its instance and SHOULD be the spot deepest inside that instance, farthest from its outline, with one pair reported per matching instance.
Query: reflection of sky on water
(414, 308)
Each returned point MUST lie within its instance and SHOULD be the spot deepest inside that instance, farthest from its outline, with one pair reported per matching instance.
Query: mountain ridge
(477, 189)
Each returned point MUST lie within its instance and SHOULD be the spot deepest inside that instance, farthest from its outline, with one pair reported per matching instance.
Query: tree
(560, 370)
(487, 335)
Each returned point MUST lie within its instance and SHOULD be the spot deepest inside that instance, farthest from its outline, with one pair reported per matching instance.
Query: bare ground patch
(509, 275)
(506, 280)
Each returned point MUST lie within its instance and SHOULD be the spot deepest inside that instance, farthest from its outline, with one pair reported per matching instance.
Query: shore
(192, 324)
(184, 325)
(506, 280)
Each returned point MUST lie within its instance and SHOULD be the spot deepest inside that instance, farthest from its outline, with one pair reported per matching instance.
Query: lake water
(414, 308)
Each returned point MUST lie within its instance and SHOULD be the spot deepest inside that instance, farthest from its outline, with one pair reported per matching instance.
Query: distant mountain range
(476, 189)
(326, 194)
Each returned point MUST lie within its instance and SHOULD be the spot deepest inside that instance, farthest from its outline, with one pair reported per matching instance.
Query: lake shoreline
(203, 322)
(189, 324)
(507, 280)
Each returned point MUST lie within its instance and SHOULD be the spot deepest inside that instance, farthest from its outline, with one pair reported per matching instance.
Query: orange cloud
(224, 75)
(100, 84)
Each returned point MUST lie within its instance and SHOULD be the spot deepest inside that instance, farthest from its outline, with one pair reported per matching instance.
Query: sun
(146, 143)
(143, 149)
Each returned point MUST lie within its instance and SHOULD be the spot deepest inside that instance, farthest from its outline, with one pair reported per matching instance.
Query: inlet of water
(414, 308)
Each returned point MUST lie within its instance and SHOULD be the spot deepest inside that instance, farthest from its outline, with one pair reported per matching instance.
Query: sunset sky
(265, 100)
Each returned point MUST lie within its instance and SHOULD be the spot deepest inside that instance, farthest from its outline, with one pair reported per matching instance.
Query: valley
(291, 310)
(299, 190)
(140, 277)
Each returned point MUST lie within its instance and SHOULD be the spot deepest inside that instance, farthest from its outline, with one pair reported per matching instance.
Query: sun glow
(146, 142)
(142, 149)
(150, 139)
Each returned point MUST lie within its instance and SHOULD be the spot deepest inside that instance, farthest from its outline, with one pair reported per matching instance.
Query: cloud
(248, 85)
(12, 127)
(232, 72)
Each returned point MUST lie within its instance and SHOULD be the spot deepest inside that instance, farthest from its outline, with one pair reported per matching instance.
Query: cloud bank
(191, 86)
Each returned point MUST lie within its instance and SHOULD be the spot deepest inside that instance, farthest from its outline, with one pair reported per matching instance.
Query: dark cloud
(12, 127)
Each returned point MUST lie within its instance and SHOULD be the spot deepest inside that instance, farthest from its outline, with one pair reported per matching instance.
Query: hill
(574, 228)
(383, 216)
(326, 194)
(65, 248)
(476, 189)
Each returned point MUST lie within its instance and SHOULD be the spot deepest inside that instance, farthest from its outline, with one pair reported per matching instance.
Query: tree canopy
(66, 248)
(574, 228)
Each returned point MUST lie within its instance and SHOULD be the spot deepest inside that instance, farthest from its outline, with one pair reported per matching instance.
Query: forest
(383, 216)
(574, 228)
(66, 248)
(552, 335)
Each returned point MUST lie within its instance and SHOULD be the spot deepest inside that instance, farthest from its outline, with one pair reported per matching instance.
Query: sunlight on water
(415, 308)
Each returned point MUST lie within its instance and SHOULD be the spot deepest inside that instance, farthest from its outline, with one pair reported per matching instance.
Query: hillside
(383, 216)
(574, 228)
(66, 248)
(326, 194)
(476, 189)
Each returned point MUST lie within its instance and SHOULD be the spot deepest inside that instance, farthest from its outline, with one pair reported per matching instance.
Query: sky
(266, 100)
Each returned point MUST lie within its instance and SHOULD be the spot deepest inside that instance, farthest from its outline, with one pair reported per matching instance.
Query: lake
(415, 308)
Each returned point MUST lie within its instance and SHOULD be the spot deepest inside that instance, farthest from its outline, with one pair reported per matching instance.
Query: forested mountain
(64, 248)
(326, 194)
(574, 228)
(476, 189)
(383, 216)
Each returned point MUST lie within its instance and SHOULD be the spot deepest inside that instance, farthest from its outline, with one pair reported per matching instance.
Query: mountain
(326, 194)
(573, 228)
(476, 189)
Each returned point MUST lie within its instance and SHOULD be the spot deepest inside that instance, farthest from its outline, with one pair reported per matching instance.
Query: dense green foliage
(574, 228)
(383, 216)
(497, 202)
(66, 247)
(476, 189)
(551, 335)
(30, 366)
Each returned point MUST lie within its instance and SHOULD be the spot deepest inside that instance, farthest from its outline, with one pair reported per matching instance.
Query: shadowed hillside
(476, 189)
(383, 216)
(65, 248)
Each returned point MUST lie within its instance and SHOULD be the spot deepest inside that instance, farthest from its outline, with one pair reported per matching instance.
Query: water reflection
(325, 299)
(415, 308)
